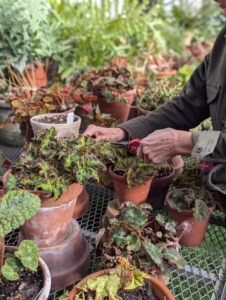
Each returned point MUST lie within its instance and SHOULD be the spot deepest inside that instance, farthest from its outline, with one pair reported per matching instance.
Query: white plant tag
(70, 117)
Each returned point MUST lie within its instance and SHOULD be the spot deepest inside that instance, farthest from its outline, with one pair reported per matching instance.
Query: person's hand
(100, 133)
(162, 145)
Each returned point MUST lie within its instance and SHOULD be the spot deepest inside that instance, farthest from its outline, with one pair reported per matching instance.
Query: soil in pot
(145, 292)
(27, 286)
(58, 119)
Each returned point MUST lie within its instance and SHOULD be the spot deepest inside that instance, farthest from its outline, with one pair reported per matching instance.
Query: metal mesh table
(204, 276)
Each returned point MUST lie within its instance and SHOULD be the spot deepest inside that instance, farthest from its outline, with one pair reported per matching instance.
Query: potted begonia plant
(125, 280)
(147, 241)
(115, 87)
(56, 170)
(22, 273)
(193, 204)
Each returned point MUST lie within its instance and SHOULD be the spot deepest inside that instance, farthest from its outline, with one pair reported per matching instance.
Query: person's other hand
(162, 145)
(100, 133)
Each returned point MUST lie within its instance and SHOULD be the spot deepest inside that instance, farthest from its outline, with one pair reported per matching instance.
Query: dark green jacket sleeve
(182, 113)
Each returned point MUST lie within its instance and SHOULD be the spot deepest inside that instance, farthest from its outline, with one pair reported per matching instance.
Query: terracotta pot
(112, 210)
(160, 75)
(35, 75)
(63, 130)
(49, 226)
(162, 292)
(81, 205)
(158, 190)
(177, 164)
(46, 277)
(136, 194)
(67, 261)
(142, 111)
(119, 111)
(197, 235)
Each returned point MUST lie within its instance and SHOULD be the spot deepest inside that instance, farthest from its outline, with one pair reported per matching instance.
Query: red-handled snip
(131, 146)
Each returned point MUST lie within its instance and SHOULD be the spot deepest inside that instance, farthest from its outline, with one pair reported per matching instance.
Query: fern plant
(15, 208)
(147, 241)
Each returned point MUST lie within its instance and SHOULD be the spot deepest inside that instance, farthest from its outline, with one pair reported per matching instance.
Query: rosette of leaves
(50, 164)
(54, 99)
(147, 241)
(197, 199)
(133, 168)
(113, 81)
(123, 278)
(15, 208)
(156, 94)
(100, 119)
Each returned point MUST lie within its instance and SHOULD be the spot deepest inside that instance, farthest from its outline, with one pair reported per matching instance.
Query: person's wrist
(123, 135)
(184, 144)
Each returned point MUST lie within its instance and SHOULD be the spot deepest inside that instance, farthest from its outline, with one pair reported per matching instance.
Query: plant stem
(2, 248)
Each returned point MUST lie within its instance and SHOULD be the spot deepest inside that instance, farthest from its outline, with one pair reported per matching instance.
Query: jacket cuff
(205, 143)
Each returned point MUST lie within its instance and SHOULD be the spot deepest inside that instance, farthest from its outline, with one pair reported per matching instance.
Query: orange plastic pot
(160, 289)
(119, 111)
(196, 237)
(49, 226)
(135, 194)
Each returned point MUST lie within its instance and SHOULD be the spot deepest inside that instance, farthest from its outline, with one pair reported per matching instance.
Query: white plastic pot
(63, 130)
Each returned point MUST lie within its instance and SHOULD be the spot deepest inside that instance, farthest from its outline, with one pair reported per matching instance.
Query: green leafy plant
(15, 208)
(123, 278)
(54, 99)
(196, 199)
(191, 175)
(112, 82)
(49, 165)
(156, 94)
(132, 168)
(100, 119)
(147, 241)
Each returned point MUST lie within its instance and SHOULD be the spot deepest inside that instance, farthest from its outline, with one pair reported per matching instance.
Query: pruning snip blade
(131, 146)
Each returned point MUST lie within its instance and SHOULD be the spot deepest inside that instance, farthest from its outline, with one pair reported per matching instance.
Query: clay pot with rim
(135, 194)
(160, 186)
(81, 205)
(162, 292)
(35, 75)
(112, 210)
(49, 226)
(196, 237)
(119, 111)
(44, 293)
(63, 130)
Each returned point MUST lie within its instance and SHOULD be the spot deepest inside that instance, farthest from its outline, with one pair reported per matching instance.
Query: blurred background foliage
(71, 36)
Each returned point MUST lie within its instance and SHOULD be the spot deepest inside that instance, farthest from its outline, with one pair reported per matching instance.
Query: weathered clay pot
(46, 277)
(112, 210)
(197, 235)
(81, 205)
(49, 226)
(10, 135)
(63, 130)
(119, 111)
(69, 260)
(162, 292)
(158, 190)
(136, 194)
